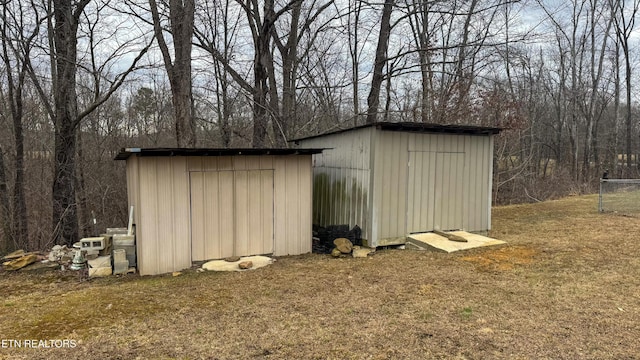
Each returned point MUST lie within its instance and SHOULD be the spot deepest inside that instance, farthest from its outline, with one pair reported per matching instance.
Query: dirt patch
(502, 259)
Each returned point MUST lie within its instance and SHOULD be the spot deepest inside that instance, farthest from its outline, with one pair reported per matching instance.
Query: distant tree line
(79, 79)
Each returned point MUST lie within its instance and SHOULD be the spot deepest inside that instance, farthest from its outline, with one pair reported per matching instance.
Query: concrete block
(120, 267)
(114, 231)
(108, 245)
(131, 252)
(98, 272)
(100, 262)
(123, 240)
(92, 245)
(119, 255)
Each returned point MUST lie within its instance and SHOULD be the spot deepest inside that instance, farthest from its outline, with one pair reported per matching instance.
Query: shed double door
(231, 213)
(435, 191)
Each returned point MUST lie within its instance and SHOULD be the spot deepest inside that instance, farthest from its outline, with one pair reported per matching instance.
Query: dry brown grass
(566, 286)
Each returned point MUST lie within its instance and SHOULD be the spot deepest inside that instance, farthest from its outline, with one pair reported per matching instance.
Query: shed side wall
(159, 187)
(341, 179)
(452, 187)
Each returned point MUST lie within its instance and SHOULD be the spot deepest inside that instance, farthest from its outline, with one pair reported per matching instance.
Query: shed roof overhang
(125, 153)
(418, 127)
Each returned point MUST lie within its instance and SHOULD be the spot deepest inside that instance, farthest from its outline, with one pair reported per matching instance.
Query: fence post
(600, 196)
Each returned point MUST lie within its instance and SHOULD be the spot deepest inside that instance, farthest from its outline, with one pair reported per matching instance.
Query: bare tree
(373, 100)
(593, 103)
(274, 44)
(217, 26)
(353, 37)
(18, 39)
(624, 16)
(181, 21)
(62, 29)
(265, 91)
(5, 216)
(291, 51)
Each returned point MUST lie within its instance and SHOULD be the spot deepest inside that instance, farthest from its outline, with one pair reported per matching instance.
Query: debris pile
(323, 237)
(93, 254)
(60, 253)
(19, 259)
(344, 246)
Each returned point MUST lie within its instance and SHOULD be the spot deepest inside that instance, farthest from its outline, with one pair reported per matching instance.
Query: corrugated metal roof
(126, 152)
(418, 127)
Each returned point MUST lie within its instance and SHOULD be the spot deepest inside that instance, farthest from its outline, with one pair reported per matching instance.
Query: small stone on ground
(361, 252)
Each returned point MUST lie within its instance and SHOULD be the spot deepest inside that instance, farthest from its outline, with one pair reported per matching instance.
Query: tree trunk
(355, 62)
(426, 72)
(625, 48)
(81, 192)
(262, 67)
(373, 100)
(181, 18)
(65, 221)
(260, 76)
(21, 230)
(18, 225)
(5, 218)
(289, 75)
(224, 108)
(616, 108)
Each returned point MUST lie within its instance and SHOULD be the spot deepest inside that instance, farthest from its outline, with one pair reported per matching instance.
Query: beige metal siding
(251, 204)
(163, 215)
(342, 179)
(292, 185)
(412, 182)
(231, 213)
(421, 191)
(448, 207)
(424, 182)
(390, 186)
(290, 199)
(478, 188)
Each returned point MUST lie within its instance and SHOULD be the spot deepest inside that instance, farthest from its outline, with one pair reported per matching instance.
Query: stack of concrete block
(128, 244)
(119, 238)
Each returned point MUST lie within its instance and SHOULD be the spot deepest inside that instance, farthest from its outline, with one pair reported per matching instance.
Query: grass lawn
(566, 286)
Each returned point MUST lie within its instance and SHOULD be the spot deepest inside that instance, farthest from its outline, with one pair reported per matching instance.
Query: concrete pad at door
(431, 241)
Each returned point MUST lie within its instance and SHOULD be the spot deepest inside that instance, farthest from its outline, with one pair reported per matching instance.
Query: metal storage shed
(394, 179)
(200, 204)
